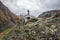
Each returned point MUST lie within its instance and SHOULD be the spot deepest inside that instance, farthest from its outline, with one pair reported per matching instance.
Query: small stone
(53, 26)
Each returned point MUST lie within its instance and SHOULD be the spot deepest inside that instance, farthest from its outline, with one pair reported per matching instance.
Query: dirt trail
(6, 32)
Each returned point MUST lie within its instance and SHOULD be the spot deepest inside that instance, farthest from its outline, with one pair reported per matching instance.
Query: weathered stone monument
(28, 15)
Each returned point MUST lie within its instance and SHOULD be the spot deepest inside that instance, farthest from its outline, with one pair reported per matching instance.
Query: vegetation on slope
(7, 18)
(47, 29)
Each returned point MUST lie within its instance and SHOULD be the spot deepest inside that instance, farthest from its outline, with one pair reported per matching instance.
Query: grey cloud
(51, 4)
(44, 5)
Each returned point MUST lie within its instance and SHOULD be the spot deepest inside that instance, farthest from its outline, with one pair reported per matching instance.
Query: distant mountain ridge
(54, 13)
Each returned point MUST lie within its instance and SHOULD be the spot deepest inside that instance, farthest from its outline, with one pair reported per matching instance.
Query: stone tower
(28, 12)
(28, 15)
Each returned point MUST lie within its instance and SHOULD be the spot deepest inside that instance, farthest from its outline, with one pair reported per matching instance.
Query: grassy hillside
(47, 29)
(14, 28)
(8, 20)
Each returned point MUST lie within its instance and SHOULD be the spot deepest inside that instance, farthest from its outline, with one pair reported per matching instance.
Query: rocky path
(6, 32)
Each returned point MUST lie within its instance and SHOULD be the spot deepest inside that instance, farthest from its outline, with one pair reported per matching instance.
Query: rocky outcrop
(7, 18)
(52, 13)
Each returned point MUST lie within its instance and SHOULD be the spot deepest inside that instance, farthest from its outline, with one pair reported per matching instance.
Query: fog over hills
(36, 7)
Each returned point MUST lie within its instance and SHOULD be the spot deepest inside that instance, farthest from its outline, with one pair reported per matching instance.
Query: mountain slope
(52, 13)
(46, 29)
(7, 18)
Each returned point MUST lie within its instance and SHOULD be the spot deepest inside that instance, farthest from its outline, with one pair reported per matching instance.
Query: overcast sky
(36, 7)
